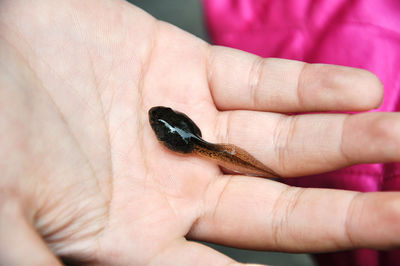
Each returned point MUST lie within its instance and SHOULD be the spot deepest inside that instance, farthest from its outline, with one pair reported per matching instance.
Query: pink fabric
(358, 33)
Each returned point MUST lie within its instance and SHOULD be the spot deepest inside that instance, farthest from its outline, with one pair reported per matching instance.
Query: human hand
(84, 178)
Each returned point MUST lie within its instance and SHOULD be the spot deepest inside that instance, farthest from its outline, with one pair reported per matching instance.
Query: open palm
(83, 174)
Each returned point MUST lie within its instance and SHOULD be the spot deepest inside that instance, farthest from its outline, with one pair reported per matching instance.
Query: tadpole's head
(157, 112)
(174, 129)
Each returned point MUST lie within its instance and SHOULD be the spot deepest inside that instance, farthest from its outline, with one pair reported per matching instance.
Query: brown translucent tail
(234, 158)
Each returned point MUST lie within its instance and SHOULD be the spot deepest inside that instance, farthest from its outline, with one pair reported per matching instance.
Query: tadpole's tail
(234, 158)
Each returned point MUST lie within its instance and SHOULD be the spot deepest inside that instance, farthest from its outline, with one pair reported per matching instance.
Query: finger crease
(284, 134)
(288, 202)
(255, 76)
(349, 219)
(300, 86)
(344, 154)
(222, 126)
(209, 71)
(228, 124)
(220, 195)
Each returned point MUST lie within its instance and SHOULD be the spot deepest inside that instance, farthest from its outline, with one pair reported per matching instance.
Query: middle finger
(311, 143)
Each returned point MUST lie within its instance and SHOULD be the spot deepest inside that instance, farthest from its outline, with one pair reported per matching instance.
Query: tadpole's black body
(174, 129)
(180, 134)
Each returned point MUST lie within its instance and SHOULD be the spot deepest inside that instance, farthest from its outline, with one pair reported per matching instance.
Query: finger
(240, 80)
(311, 143)
(182, 252)
(19, 242)
(262, 214)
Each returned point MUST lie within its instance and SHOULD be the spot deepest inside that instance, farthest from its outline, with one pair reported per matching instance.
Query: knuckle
(386, 132)
(385, 127)
(390, 213)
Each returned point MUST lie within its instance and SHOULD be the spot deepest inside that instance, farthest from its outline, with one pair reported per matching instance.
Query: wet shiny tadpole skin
(179, 133)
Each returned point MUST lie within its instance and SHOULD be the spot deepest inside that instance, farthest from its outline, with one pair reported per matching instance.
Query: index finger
(239, 80)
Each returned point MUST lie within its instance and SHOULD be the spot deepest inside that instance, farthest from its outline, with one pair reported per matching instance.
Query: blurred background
(188, 15)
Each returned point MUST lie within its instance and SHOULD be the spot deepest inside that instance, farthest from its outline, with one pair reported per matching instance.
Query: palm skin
(83, 172)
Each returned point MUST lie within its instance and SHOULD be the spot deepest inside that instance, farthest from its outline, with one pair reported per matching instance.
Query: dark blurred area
(188, 15)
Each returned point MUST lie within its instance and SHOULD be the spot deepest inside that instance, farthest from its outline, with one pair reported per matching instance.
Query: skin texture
(179, 133)
(83, 178)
